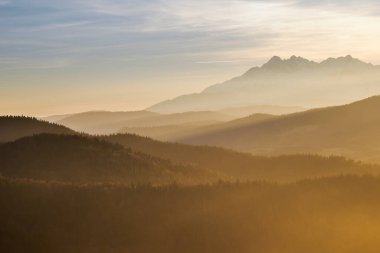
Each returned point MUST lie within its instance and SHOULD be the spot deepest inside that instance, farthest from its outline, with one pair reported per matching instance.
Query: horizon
(66, 57)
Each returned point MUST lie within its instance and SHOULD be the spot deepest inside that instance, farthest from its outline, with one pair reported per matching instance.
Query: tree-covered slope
(74, 158)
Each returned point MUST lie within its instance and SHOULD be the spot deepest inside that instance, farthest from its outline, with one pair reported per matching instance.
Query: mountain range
(285, 82)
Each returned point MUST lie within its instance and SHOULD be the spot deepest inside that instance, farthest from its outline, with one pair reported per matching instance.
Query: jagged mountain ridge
(286, 82)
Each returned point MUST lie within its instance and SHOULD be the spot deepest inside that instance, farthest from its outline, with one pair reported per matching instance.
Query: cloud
(93, 31)
(158, 27)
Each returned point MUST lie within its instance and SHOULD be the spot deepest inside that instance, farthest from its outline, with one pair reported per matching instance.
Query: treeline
(331, 215)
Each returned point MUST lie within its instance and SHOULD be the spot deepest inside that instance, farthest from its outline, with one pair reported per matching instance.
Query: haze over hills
(112, 122)
(289, 82)
(351, 130)
(97, 122)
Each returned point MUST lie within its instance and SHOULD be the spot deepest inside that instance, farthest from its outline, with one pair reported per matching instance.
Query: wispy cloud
(214, 25)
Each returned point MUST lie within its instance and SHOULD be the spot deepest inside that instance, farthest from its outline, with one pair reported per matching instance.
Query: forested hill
(14, 127)
(74, 158)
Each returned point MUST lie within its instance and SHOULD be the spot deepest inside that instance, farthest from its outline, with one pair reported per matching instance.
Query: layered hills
(126, 158)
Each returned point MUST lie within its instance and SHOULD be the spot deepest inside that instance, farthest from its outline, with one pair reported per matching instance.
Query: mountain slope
(74, 158)
(15, 127)
(351, 130)
(294, 81)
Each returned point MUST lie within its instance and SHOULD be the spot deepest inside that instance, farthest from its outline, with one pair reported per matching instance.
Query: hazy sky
(77, 55)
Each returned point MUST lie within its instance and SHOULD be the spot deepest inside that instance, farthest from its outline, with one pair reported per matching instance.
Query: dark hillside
(73, 158)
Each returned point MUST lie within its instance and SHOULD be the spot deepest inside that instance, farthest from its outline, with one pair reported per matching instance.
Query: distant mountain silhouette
(294, 81)
(15, 127)
(74, 158)
(351, 130)
(101, 122)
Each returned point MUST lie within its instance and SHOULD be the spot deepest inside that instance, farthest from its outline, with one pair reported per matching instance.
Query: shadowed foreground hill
(336, 215)
(15, 127)
(244, 166)
(71, 158)
(350, 130)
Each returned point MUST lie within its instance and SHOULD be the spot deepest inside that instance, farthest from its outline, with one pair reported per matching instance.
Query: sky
(70, 56)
